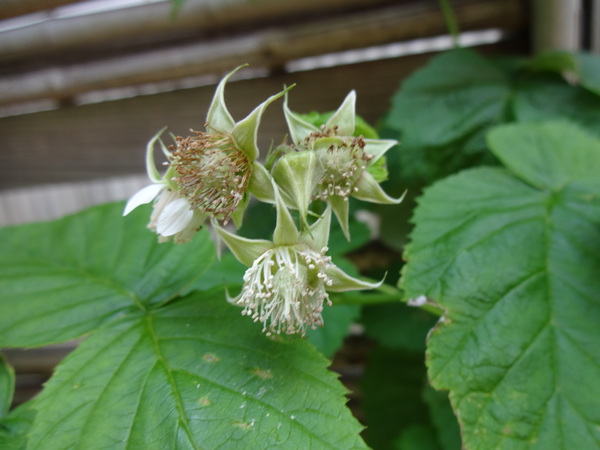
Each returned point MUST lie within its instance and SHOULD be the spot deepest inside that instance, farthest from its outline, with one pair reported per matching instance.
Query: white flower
(285, 288)
(172, 215)
(210, 173)
(288, 280)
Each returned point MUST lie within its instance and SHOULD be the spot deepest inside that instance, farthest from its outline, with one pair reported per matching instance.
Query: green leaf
(60, 280)
(443, 418)
(397, 325)
(417, 437)
(442, 112)
(193, 374)
(549, 156)
(589, 71)
(7, 385)
(549, 97)
(392, 386)
(15, 426)
(514, 259)
(556, 61)
(337, 319)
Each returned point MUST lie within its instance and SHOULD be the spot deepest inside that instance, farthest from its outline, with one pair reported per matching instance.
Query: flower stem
(383, 294)
(450, 20)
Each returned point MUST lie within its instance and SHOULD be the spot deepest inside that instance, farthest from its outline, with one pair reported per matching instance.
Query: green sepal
(285, 232)
(244, 132)
(341, 210)
(261, 184)
(344, 282)
(238, 214)
(218, 117)
(151, 169)
(318, 233)
(244, 249)
(344, 117)
(370, 191)
(297, 174)
(378, 147)
(299, 128)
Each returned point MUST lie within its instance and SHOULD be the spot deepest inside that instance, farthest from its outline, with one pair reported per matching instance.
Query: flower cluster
(211, 175)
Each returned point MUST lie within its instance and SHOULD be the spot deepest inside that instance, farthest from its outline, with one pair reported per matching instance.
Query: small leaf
(198, 375)
(7, 385)
(15, 426)
(514, 259)
(60, 280)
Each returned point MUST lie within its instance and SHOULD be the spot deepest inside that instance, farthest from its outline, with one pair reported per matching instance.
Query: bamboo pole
(128, 26)
(270, 48)
(556, 25)
(14, 8)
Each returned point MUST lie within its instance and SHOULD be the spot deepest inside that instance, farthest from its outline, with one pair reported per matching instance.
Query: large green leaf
(7, 385)
(193, 374)
(442, 111)
(513, 256)
(547, 97)
(62, 279)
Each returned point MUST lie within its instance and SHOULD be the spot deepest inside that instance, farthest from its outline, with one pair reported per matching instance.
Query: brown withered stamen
(211, 172)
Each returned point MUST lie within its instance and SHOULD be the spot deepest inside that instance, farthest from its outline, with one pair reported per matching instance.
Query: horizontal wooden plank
(154, 22)
(270, 47)
(108, 139)
(14, 8)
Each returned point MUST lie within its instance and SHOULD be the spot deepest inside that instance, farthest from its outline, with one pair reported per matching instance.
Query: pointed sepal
(261, 184)
(245, 250)
(340, 206)
(151, 169)
(285, 232)
(378, 147)
(341, 281)
(299, 128)
(244, 132)
(369, 190)
(345, 116)
(218, 118)
(318, 233)
(297, 174)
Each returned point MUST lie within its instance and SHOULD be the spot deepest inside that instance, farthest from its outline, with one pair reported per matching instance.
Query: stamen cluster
(343, 165)
(285, 289)
(212, 173)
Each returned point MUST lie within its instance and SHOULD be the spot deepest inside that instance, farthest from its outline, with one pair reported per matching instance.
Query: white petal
(143, 196)
(174, 218)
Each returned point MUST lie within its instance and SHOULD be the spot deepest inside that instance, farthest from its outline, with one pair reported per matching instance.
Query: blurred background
(85, 84)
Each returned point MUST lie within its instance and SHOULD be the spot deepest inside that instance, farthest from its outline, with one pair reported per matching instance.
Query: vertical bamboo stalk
(556, 25)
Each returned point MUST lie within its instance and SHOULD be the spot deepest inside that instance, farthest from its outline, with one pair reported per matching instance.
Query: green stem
(383, 294)
(450, 20)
